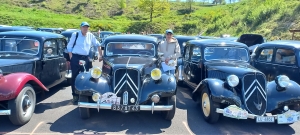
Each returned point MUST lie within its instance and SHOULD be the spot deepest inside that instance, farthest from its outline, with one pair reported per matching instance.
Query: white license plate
(265, 119)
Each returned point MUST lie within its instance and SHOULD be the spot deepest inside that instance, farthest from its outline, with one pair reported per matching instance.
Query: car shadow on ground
(110, 121)
(225, 125)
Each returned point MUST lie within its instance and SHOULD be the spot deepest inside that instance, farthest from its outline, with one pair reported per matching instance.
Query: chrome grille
(127, 81)
(217, 74)
(254, 93)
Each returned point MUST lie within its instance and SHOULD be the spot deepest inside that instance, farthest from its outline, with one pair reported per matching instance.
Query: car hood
(229, 67)
(131, 62)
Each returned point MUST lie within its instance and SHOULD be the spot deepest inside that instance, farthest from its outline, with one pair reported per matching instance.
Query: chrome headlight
(96, 96)
(156, 74)
(96, 72)
(233, 80)
(282, 80)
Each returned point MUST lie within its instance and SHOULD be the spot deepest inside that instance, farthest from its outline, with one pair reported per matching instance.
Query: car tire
(84, 112)
(208, 107)
(169, 115)
(21, 112)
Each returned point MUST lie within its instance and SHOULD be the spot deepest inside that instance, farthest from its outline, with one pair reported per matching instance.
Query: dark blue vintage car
(130, 80)
(224, 82)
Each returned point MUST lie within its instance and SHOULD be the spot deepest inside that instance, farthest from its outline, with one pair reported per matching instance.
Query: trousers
(76, 68)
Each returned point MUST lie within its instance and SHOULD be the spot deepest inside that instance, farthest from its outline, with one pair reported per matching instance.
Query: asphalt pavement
(55, 114)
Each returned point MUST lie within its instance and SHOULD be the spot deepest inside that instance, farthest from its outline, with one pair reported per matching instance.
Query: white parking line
(187, 128)
(36, 127)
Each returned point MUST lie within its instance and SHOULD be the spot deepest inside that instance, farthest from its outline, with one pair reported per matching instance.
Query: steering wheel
(29, 51)
(145, 52)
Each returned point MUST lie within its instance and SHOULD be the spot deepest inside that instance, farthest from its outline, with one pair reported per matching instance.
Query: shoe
(75, 99)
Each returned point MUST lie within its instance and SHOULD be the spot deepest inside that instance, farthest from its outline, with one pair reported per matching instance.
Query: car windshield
(104, 35)
(225, 53)
(28, 46)
(126, 48)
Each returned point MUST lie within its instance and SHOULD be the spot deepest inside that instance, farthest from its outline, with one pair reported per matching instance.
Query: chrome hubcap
(205, 104)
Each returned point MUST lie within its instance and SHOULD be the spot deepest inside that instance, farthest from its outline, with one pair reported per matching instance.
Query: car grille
(126, 85)
(254, 92)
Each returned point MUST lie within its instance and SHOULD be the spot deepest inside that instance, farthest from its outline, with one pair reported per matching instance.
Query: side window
(266, 55)
(196, 56)
(187, 53)
(50, 48)
(286, 56)
(61, 46)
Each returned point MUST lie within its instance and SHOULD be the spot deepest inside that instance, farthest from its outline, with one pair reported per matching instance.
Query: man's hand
(100, 58)
(167, 60)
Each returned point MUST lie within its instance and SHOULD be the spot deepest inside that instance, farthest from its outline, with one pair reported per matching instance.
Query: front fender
(12, 84)
(166, 87)
(85, 85)
(218, 91)
(276, 99)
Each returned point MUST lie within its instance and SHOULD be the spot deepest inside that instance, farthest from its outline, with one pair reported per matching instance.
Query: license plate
(129, 108)
(265, 119)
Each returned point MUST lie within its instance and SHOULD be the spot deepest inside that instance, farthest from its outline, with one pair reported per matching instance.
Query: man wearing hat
(170, 48)
(79, 48)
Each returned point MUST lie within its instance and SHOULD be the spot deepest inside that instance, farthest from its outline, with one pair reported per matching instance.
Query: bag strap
(75, 39)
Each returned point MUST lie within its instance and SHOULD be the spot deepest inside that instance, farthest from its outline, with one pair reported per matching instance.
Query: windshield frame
(106, 47)
(20, 39)
(248, 57)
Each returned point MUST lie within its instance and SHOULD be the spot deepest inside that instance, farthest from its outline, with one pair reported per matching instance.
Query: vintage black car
(160, 37)
(183, 39)
(224, 82)
(105, 34)
(278, 57)
(130, 80)
(5, 29)
(251, 40)
(31, 62)
(53, 30)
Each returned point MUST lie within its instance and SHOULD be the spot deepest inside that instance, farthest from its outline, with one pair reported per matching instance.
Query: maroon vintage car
(31, 62)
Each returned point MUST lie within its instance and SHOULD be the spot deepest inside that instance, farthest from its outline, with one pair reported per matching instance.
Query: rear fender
(166, 87)
(86, 85)
(12, 84)
(279, 98)
(217, 91)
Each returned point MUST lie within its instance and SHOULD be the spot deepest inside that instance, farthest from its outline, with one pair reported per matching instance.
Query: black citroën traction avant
(130, 80)
(225, 83)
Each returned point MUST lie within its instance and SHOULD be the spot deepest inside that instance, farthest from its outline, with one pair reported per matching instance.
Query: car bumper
(68, 74)
(142, 107)
(4, 112)
(288, 117)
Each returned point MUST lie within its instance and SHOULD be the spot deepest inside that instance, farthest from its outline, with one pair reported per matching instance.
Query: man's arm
(177, 52)
(70, 44)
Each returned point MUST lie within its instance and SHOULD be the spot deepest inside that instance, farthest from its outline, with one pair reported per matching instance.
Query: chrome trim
(142, 107)
(5, 112)
(125, 98)
(180, 77)
(243, 80)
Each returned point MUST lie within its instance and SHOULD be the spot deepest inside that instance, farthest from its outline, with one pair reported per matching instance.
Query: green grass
(271, 18)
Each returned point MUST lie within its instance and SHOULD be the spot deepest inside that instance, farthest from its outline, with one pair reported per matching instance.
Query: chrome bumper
(69, 74)
(4, 112)
(142, 107)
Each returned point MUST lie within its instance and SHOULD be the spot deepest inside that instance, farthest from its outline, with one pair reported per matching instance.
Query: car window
(266, 55)
(187, 53)
(286, 56)
(225, 53)
(29, 46)
(50, 48)
(130, 48)
(196, 56)
(61, 46)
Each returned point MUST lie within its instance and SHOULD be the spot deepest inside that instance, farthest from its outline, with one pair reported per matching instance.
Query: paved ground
(55, 114)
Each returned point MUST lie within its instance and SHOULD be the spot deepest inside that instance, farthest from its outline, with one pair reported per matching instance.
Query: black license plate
(129, 108)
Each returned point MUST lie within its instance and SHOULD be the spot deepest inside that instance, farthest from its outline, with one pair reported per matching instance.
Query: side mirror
(82, 62)
(160, 54)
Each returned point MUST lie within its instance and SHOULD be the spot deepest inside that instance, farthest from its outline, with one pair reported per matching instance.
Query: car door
(195, 65)
(50, 63)
(186, 66)
(263, 62)
(62, 61)
(285, 63)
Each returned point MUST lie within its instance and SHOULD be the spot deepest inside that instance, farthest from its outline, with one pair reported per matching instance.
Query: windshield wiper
(144, 55)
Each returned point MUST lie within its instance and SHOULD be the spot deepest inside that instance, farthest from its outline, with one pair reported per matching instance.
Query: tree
(154, 7)
(121, 3)
(190, 3)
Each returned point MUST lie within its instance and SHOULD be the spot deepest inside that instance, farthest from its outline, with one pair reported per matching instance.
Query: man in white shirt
(79, 50)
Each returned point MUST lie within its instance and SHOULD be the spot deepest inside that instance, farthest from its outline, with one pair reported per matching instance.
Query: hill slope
(271, 18)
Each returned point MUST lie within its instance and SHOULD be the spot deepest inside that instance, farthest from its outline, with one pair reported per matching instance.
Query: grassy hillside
(271, 18)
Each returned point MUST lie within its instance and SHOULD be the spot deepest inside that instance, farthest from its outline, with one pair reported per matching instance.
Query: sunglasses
(169, 33)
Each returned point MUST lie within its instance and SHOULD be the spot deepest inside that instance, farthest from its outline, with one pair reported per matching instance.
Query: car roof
(215, 42)
(69, 32)
(106, 32)
(186, 37)
(155, 34)
(290, 43)
(15, 29)
(50, 28)
(34, 34)
(130, 38)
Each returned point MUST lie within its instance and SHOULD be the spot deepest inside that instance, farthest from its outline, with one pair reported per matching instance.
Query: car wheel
(208, 107)
(84, 112)
(169, 115)
(23, 106)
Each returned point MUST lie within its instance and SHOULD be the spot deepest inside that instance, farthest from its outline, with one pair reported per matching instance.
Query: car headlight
(233, 80)
(183, 44)
(96, 72)
(96, 96)
(282, 80)
(156, 74)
